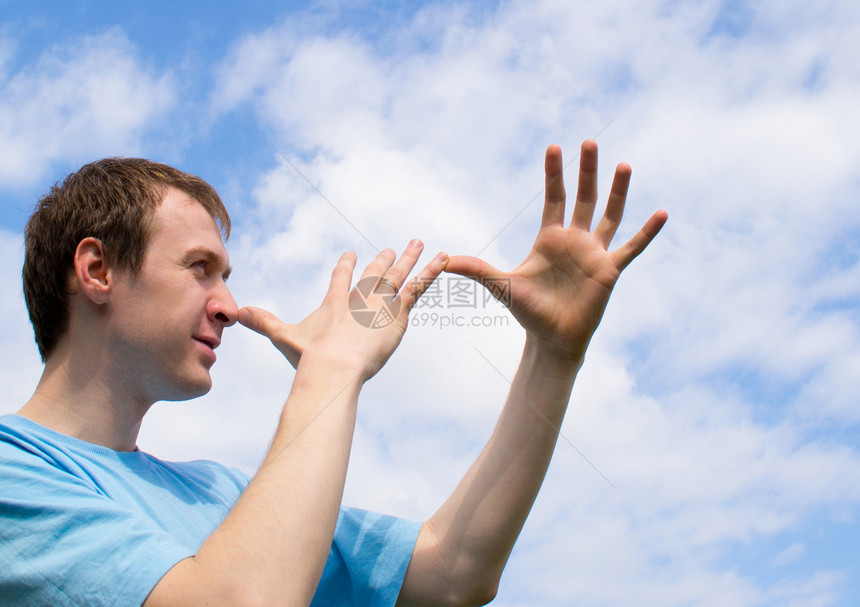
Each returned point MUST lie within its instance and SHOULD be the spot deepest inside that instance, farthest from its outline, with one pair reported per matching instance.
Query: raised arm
(558, 294)
(272, 547)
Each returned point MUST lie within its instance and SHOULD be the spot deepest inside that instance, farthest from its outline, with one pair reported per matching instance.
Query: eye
(200, 266)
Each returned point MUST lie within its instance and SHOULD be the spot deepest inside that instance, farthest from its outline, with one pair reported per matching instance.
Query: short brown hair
(113, 200)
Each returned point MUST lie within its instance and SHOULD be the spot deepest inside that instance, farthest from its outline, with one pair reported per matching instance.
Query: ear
(92, 275)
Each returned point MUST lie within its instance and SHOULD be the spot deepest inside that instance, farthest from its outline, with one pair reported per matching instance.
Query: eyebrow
(209, 256)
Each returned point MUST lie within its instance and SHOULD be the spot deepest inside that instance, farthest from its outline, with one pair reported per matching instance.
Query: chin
(189, 389)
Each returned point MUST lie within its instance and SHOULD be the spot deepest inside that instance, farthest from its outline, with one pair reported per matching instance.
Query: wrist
(328, 365)
(551, 357)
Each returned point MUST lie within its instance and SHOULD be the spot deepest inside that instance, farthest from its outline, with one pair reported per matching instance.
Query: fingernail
(415, 243)
(244, 316)
(442, 257)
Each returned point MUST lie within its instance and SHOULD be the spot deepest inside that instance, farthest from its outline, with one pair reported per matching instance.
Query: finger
(472, 267)
(412, 290)
(605, 230)
(627, 253)
(553, 208)
(380, 264)
(398, 272)
(586, 187)
(260, 321)
(268, 325)
(341, 276)
(498, 283)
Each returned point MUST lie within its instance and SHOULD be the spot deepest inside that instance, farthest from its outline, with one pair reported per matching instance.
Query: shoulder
(203, 473)
(24, 447)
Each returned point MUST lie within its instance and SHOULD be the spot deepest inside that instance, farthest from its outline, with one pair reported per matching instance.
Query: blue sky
(720, 393)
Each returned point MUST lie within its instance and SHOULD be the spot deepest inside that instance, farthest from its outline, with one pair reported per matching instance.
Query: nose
(222, 307)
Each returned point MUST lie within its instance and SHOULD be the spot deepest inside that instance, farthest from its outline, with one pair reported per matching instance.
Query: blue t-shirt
(84, 525)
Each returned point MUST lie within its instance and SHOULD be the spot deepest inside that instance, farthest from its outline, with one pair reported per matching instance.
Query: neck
(73, 400)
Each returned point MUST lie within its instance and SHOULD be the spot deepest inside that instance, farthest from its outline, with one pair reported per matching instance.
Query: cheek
(151, 328)
(164, 311)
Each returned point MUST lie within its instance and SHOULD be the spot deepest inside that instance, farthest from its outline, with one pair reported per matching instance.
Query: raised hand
(560, 291)
(361, 338)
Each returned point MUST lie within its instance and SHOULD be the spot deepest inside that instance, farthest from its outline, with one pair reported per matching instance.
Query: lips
(210, 343)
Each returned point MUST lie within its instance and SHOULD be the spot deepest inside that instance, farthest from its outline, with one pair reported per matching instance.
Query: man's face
(167, 321)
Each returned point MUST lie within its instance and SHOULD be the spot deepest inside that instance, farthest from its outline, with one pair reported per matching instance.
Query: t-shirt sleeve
(62, 543)
(367, 561)
(69, 538)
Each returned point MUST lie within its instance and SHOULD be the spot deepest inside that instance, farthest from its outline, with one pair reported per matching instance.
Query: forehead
(180, 223)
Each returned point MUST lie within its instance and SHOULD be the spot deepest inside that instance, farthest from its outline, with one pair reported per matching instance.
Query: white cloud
(86, 97)
(729, 350)
(20, 366)
(749, 143)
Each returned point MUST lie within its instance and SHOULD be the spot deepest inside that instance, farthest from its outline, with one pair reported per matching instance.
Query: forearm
(473, 532)
(272, 547)
(558, 293)
(487, 510)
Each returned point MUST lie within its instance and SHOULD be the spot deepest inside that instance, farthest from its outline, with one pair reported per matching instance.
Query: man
(125, 276)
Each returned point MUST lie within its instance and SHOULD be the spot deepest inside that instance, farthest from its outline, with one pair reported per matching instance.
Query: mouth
(210, 343)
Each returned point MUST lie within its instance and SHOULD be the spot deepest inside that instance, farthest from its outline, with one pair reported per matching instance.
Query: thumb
(268, 325)
(472, 267)
(259, 320)
(498, 283)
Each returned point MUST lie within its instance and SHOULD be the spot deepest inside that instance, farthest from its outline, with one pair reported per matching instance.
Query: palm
(334, 327)
(295, 338)
(560, 291)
